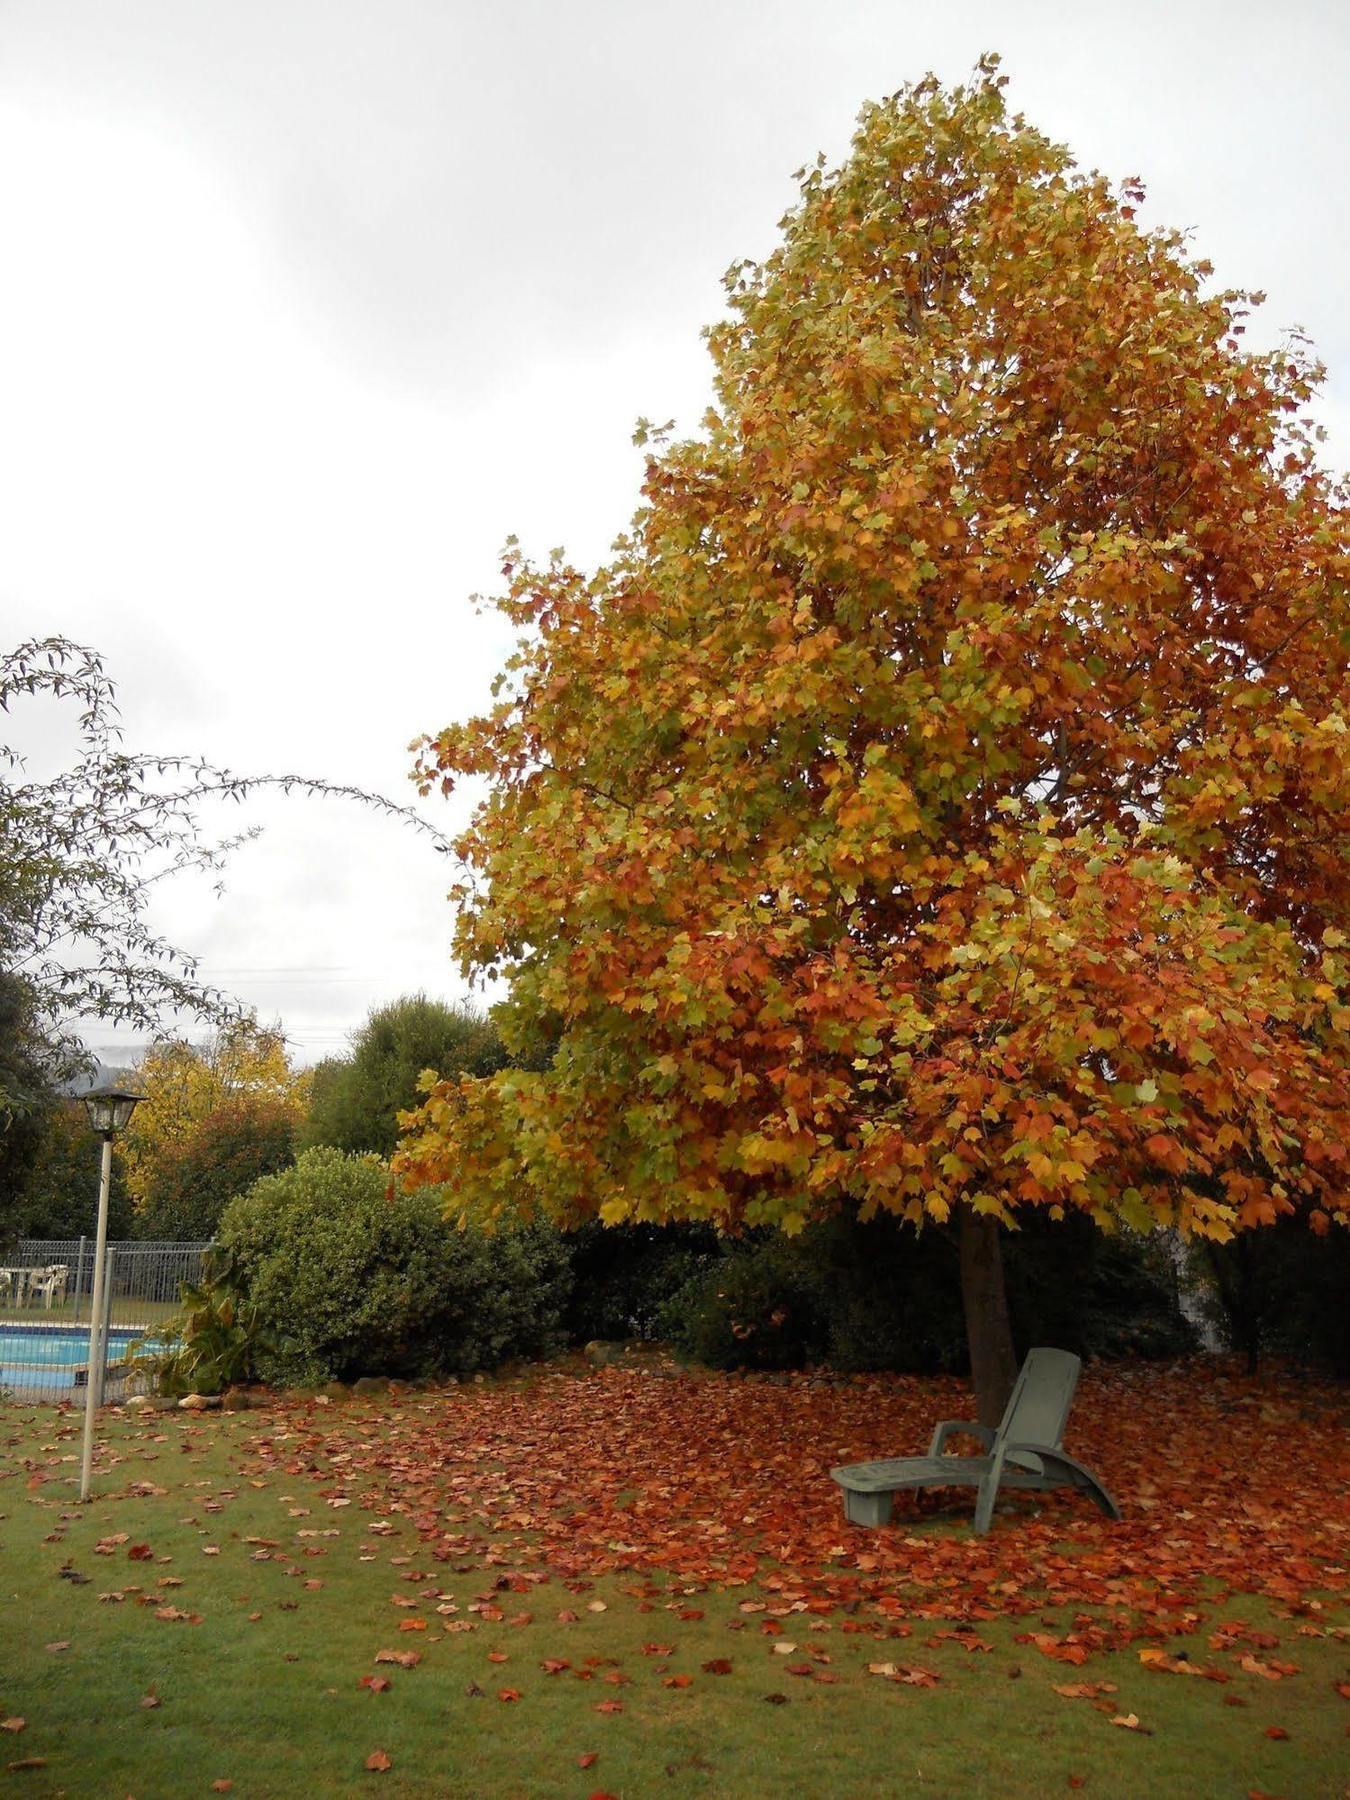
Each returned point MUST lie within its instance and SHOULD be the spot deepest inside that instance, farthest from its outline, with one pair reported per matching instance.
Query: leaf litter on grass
(436, 1494)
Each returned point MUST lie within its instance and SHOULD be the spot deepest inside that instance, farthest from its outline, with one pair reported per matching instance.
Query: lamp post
(110, 1109)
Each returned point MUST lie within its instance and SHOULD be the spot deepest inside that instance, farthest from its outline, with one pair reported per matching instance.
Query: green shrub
(880, 1296)
(623, 1275)
(350, 1280)
(761, 1305)
(1282, 1289)
(215, 1339)
(57, 1195)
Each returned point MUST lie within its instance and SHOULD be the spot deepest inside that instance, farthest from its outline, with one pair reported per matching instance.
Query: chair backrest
(1038, 1407)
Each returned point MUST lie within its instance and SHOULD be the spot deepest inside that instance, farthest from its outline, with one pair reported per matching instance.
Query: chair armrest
(967, 1427)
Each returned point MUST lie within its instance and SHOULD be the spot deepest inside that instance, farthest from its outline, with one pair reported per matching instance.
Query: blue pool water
(36, 1356)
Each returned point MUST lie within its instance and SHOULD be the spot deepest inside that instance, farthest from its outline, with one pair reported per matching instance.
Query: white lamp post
(109, 1111)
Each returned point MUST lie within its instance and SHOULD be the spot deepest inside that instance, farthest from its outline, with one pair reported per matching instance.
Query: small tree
(938, 805)
(189, 1186)
(241, 1076)
(55, 1195)
(357, 1099)
(27, 1096)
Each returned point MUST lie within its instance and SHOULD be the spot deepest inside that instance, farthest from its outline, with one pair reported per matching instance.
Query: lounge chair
(1025, 1452)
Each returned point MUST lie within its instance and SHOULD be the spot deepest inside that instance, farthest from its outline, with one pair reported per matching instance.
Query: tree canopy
(199, 1102)
(357, 1099)
(939, 800)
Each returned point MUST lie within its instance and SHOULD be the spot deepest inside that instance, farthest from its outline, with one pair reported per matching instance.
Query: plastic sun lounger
(1026, 1451)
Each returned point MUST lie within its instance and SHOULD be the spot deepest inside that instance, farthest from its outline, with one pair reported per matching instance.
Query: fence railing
(46, 1329)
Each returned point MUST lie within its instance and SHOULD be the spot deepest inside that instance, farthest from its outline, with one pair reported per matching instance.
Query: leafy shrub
(880, 1296)
(761, 1305)
(350, 1280)
(1280, 1288)
(623, 1275)
(193, 1180)
(215, 1339)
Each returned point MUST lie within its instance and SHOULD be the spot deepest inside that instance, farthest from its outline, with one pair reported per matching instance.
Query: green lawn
(255, 1565)
(124, 1310)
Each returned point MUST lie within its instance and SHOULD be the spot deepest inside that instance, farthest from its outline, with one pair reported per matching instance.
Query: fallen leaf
(508, 1694)
(379, 1761)
(1277, 1732)
(719, 1665)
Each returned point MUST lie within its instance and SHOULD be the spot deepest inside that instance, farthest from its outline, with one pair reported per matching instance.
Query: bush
(623, 1275)
(194, 1180)
(760, 1306)
(349, 1280)
(215, 1338)
(880, 1296)
(356, 1100)
(1280, 1288)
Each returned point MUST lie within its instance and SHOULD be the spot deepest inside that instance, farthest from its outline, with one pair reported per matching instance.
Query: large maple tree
(938, 804)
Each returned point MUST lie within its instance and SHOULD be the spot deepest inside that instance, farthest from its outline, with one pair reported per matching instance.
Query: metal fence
(48, 1339)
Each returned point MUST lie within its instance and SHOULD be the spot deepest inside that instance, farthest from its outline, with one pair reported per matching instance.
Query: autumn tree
(242, 1072)
(190, 1184)
(937, 806)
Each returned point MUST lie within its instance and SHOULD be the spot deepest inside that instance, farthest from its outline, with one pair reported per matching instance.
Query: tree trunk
(993, 1361)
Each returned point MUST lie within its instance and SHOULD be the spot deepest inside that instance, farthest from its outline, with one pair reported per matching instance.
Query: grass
(125, 1312)
(263, 1690)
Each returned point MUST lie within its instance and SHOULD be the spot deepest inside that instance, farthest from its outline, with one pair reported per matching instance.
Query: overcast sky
(309, 303)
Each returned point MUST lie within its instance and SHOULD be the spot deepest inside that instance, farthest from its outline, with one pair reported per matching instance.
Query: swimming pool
(46, 1357)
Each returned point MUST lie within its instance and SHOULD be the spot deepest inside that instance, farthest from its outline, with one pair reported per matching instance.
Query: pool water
(47, 1357)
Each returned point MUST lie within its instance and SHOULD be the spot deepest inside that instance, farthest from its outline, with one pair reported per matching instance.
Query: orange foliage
(942, 794)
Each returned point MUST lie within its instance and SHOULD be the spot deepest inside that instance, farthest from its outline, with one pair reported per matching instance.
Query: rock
(371, 1384)
(236, 1399)
(199, 1402)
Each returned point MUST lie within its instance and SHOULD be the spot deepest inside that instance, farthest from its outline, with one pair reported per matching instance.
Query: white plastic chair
(51, 1283)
